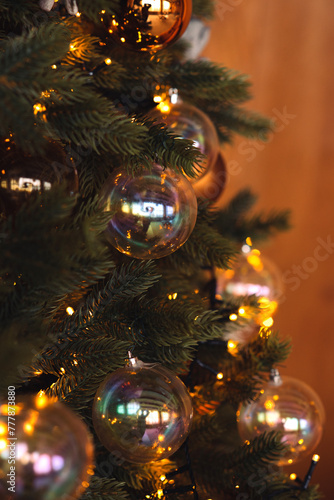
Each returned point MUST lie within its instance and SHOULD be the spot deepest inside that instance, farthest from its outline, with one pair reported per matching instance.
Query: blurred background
(287, 49)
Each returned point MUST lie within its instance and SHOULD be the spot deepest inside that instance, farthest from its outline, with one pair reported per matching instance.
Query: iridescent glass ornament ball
(288, 405)
(24, 176)
(189, 122)
(142, 412)
(154, 212)
(46, 452)
(251, 274)
(150, 24)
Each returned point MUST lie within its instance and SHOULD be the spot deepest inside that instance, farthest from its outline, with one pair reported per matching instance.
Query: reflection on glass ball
(23, 176)
(290, 406)
(50, 447)
(188, 122)
(252, 274)
(155, 212)
(149, 24)
(142, 412)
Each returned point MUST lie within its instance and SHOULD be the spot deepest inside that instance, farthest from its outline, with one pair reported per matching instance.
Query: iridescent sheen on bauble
(50, 449)
(288, 405)
(188, 122)
(142, 413)
(154, 212)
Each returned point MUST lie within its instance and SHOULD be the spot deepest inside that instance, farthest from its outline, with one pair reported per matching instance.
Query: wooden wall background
(287, 48)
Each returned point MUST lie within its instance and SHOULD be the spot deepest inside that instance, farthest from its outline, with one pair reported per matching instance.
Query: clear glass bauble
(48, 446)
(24, 176)
(150, 24)
(154, 212)
(251, 274)
(142, 412)
(288, 405)
(189, 122)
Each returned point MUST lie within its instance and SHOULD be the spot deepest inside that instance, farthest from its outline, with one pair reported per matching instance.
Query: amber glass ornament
(46, 452)
(154, 212)
(23, 176)
(212, 185)
(288, 405)
(142, 412)
(150, 24)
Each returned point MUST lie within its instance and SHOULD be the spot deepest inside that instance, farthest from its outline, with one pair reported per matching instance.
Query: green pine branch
(27, 56)
(205, 81)
(20, 341)
(125, 284)
(83, 356)
(221, 471)
(145, 476)
(25, 13)
(101, 488)
(203, 9)
(205, 247)
(244, 371)
(93, 9)
(83, 48)
(42, 241)
(262, 450)
(111, 77)
(263, 226)
(44, 257)
(95, 124)
(23, 63)
(280, 487)
(173, 151)
(236, 208)
(232, 221)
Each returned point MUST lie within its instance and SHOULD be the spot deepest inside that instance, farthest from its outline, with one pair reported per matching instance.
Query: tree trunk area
(287, 49)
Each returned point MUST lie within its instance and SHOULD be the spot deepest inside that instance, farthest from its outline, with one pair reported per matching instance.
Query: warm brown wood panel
(287, 48)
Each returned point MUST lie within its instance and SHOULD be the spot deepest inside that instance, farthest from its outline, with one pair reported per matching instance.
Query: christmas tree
(87, 278)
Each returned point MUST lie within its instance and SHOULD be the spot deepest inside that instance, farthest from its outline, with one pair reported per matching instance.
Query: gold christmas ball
(150, 24)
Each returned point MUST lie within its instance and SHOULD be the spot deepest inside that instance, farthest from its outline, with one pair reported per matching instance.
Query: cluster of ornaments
(154, 211)
(141, 412)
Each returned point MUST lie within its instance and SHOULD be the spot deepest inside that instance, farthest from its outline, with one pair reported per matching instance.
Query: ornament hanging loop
(173, 95)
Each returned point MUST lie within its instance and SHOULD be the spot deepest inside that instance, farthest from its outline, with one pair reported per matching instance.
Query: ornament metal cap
(275, 376)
